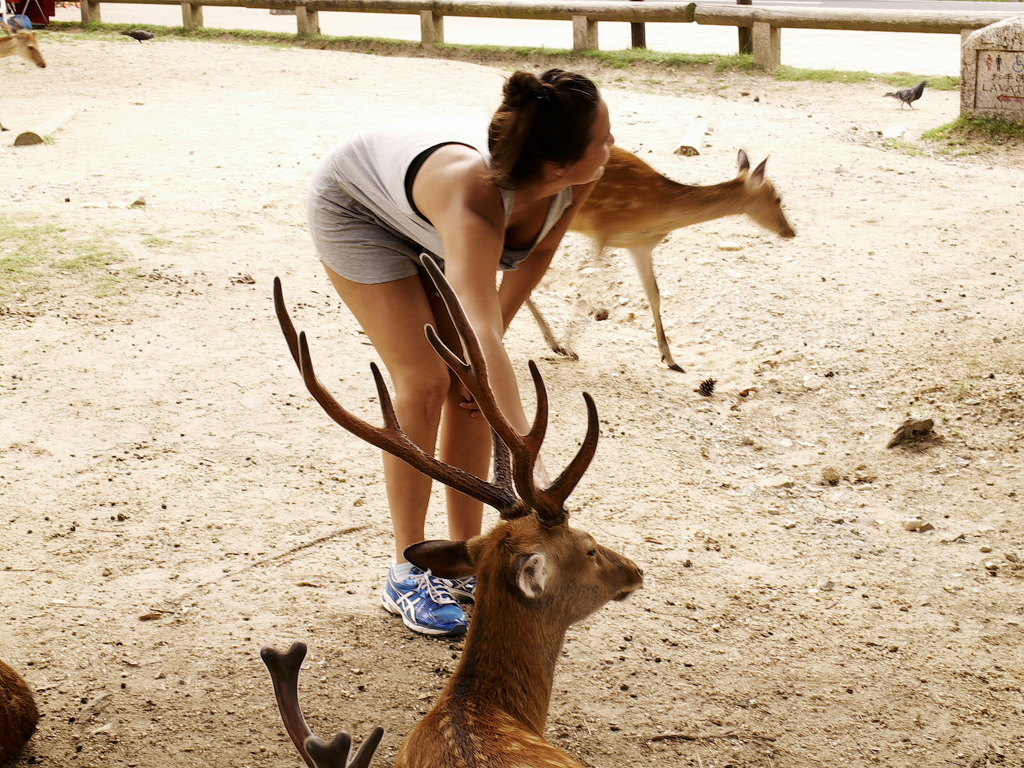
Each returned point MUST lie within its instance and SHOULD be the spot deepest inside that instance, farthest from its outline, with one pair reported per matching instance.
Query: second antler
(548, 503)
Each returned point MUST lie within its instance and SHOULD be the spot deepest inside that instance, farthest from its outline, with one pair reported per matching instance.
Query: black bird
(139, 34)
(909, 95)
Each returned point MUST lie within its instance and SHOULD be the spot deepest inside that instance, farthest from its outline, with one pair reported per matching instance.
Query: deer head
(536, 575)
(763, 203)
(22, 43)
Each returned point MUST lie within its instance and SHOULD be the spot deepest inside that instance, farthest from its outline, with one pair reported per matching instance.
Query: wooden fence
(767, 23)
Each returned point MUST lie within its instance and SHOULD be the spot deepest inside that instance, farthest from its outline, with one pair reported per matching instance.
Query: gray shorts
(354, 242)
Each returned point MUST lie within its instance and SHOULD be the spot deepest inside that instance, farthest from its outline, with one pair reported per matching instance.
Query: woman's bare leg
(393, 315)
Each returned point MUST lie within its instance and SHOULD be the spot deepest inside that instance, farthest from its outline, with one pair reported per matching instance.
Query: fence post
(91, 12)
(767, 46)
(307, 21)
(191, 16)
(746, 34)
(584, 34)
(431, 29)
(638, 32)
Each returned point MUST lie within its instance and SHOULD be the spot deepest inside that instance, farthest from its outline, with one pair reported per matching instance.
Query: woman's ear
(447, 559)
(553, 171)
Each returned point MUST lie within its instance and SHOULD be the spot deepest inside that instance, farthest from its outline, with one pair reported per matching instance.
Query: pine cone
(707, 387)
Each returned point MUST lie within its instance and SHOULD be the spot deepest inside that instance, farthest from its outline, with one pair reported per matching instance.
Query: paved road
(924, 54)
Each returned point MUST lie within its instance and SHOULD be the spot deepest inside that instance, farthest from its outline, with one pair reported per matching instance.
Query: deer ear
(758, 175)
(532, 574)
(742, 163)
(447, 559)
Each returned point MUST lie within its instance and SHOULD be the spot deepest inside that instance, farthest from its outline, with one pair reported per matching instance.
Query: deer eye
(592, 553)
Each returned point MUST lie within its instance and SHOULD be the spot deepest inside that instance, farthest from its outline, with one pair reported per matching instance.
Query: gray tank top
(371, 166)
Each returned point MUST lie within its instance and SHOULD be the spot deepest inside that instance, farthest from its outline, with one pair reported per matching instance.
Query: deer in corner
(535, 574)
(22, 43)
(634, 207)
(18, 713)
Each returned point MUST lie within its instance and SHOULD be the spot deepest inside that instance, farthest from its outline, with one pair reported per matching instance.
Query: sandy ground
(173, 499)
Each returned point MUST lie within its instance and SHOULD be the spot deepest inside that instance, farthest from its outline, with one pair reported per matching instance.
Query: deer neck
(508, 663)
(686, 205)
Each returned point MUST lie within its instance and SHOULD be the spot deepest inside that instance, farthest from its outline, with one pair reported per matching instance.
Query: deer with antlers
(21, 42)
(18, 713)
(634, 207)
(535, 574)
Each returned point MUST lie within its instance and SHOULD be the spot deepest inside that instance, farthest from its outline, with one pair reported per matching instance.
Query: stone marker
(992, 71)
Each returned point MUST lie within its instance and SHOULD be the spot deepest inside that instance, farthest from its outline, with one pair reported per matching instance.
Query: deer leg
(549, 336)
(643, 259)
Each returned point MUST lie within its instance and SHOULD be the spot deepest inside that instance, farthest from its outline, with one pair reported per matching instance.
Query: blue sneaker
(463, 590)
(424, 603)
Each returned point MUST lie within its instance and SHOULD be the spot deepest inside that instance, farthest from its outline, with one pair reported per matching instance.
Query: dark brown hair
(541, 119)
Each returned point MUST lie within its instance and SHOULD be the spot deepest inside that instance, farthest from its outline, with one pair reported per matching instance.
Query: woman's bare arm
(517, 286)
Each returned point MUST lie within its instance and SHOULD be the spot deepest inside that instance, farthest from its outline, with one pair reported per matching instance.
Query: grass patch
(896, 80)
(968, 135)
(906, 147)
(508, 55)
(514, 55)
(34, 256)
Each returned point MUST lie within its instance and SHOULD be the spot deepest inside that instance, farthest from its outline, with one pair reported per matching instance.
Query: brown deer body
(536, 576)
(18, 713)
(20, 43)
(634, 207)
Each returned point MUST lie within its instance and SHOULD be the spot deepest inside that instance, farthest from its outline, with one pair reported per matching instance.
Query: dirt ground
(173, 499)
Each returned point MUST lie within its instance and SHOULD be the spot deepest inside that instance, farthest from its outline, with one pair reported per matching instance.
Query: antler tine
(290, 336)
(572, 474)
(316, 753)
(472, 372)
(334, 754)
(391, 438)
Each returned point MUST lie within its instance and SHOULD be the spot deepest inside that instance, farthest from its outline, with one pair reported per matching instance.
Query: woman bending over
(478, 198)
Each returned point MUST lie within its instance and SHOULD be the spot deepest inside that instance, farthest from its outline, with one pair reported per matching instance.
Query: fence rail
(767, 23)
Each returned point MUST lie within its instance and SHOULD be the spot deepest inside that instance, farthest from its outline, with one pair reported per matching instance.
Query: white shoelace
(438, 593)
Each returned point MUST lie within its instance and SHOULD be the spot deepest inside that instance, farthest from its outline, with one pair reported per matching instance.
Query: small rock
(990, 564)
(827, 586)
(789, 524)
(812, 382)
(778, 481)
(729, 245)
(911, 430)
(895, 132)
(985, 549)
(876, 606)
(831, 476)
(140, 202)
(1012, 557)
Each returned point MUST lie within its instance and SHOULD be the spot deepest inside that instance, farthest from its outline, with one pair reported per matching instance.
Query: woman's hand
(469, 402)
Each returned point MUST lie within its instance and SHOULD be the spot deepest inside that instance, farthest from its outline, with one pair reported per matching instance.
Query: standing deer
(18, 713)
(536, 576)
(635, 207)
(20, 43)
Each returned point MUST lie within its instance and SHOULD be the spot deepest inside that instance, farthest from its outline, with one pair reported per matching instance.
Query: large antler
(390, 438)
(317, 753)
(548, 502)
